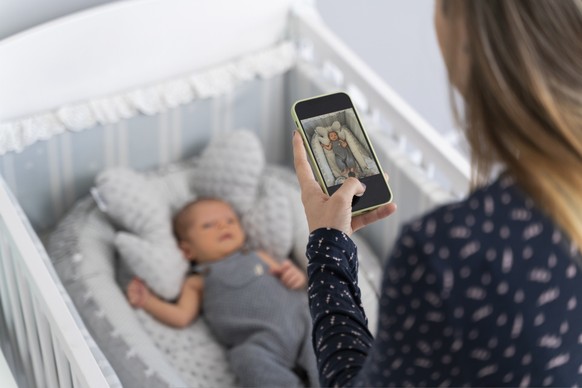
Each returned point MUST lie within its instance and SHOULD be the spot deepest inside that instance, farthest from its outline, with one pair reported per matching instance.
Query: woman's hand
(335, 212)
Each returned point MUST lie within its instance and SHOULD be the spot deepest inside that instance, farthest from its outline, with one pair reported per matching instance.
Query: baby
(344, 157)
(254, 305)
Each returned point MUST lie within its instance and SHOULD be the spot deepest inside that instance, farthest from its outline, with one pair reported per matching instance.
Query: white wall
(395, 37)
(18, 15)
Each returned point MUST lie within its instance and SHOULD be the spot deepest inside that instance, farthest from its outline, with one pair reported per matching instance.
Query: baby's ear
(186, 250)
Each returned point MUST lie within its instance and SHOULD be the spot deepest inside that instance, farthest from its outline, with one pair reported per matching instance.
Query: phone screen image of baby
(339, 147)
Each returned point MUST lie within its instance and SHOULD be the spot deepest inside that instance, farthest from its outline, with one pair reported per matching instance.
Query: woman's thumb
(350, 188)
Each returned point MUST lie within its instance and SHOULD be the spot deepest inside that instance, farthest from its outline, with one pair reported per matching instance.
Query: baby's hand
(291, 276)
(137, 293)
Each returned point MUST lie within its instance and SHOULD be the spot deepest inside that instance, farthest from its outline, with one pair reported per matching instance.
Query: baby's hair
(180, 222)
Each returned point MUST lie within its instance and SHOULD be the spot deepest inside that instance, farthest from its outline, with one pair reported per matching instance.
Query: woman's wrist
(334, 240)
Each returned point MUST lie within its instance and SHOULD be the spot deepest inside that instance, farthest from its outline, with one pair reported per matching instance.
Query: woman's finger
(302, 168)
(349, 189)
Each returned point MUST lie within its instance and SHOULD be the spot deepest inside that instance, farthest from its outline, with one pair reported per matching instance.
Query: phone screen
(341, 149)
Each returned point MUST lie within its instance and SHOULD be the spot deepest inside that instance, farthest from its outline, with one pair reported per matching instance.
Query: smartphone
(339, 148)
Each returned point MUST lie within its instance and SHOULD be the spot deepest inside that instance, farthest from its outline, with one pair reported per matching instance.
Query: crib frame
(43, 337)
(45, 346)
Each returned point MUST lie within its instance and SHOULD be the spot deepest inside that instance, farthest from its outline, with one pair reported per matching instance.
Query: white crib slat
(76, 382)
(6, 377)
(30, 327)
(7, 324)
(63, 368)
(4, 300)
(46, 347)
(17, 318)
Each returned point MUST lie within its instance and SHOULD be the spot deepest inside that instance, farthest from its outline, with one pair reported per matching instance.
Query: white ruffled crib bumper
(151, 100)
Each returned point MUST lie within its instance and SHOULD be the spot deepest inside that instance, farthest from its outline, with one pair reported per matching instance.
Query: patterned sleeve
(341, 338)
(414, 340)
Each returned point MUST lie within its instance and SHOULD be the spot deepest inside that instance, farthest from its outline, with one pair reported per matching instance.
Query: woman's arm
(340, 328)
(329, 271)
(179, 314)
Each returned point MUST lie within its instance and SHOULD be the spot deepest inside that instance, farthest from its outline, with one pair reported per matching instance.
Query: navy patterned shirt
(484, 292)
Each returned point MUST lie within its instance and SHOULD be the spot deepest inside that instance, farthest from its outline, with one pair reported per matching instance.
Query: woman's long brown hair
(523, 99)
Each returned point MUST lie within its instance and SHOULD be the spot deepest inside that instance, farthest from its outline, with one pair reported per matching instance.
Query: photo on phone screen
(340, 148)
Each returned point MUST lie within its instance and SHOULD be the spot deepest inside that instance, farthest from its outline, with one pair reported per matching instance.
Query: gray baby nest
(144, 352)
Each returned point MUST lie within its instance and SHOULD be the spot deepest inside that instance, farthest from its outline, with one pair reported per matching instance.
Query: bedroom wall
(395, 38)
(18, 15)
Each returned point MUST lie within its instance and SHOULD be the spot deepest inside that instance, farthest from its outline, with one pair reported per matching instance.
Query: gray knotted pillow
(233, 169)
(145, 242)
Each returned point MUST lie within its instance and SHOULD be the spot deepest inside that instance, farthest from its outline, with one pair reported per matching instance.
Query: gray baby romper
(265, 326)
(344, 157)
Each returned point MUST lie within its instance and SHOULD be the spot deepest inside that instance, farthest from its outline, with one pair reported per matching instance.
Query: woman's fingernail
(363, 185)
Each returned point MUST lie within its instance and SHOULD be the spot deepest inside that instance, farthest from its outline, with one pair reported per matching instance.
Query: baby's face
(332, 136)
(214, 231)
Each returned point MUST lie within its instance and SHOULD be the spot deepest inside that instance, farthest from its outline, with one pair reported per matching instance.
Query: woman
(487, 291)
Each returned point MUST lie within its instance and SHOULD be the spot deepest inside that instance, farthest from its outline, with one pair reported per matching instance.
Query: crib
(147, 83)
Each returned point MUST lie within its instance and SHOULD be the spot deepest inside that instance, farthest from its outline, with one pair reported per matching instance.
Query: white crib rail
(372, 95)
(42, 341)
